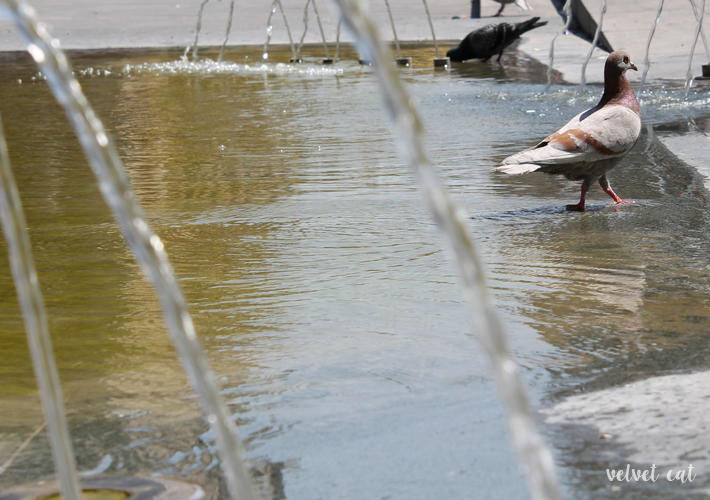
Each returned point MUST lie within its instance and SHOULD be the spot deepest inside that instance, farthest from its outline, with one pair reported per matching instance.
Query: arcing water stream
(146, 246)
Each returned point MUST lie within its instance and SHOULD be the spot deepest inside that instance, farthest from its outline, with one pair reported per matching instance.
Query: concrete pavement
(100, 24)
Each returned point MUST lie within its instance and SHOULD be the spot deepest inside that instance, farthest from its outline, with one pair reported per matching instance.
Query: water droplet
(222, 147)
(140, 224)
(102, 139)
(212, 419)
(509, 366)
(36, 53)
(156, 243)
(265, 56)
(56, 43)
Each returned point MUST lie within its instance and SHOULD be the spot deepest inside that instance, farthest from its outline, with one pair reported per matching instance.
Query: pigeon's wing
(523, 4)
(491, 39)
(609, 132)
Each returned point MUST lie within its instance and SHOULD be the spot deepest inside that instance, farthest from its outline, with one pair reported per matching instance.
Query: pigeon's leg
(579, 207)
(500, 11)
(499, 56)
(604, 183)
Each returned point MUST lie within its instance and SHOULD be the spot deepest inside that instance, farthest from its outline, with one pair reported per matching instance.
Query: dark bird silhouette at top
(490, 40)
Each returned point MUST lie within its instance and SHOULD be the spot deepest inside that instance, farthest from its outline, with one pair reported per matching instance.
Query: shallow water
(317, 279)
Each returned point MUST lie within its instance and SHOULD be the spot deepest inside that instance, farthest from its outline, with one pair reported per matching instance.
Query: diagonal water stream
(320, 27)
(270, 30)
(431, 26)
(646, 60)
(698, 30)
(568, 14)
(197, 29)
(702, 31)
(229, 27)
(533, 452)
(146, 246)
(32, 304)
(394, 30)
(305, 30)
(594, 46)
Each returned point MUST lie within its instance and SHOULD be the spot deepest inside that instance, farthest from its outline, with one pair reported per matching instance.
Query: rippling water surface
(317, 280)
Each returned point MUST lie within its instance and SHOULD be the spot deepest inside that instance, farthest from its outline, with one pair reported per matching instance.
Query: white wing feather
(609, 132)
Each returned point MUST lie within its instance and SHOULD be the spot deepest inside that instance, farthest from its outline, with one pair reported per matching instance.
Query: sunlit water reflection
(318, 281)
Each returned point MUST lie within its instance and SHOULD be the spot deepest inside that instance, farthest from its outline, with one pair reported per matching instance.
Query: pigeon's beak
(633, 66)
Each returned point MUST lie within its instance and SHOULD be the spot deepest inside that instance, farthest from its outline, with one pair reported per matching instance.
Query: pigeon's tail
(523, 5)
(525, 26)
(517, 169)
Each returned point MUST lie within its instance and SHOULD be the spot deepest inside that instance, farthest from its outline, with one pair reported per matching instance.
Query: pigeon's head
(619, 62)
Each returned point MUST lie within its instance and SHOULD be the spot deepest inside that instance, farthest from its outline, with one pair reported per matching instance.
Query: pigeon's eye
(626, 60)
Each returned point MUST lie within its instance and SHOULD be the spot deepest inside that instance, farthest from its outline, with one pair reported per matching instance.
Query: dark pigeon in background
(490, 40)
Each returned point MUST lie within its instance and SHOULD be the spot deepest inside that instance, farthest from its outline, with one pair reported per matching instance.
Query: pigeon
(520, 3)
(594, 141)
(490, 40)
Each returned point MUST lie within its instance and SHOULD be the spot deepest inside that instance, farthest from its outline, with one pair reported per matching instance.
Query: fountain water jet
(146, 246)
(229, 27)
(33, 312)
(270, 29)
(646, 60)
(327, 59)
(568, 13)
(702, 31)
(337, 40)
(535, 456)
(401, 61)
(698, 29)
(439, 61)
(591, 49)
(297, 57)
(197, 29)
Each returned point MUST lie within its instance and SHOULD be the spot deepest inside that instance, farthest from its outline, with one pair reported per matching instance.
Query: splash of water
(646, 60)
(197, 29)
(594, 45)
(431, 25)
(534, 454)
(698, 29)
(209, 66)
(568, 14)
(394, 30)
(146, 246)
(229, 27)
(32, 304)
